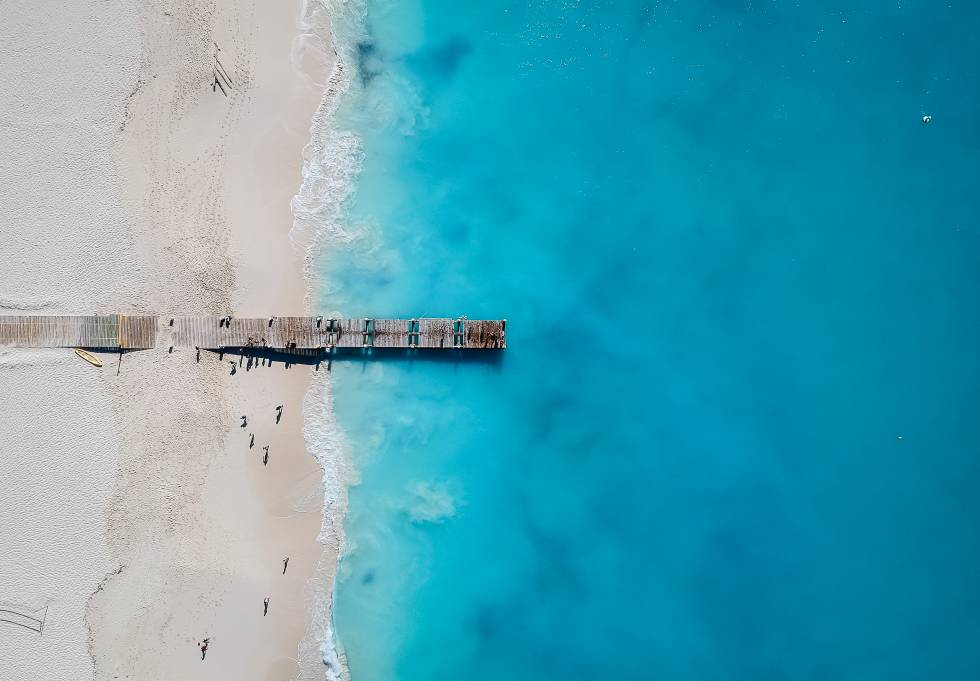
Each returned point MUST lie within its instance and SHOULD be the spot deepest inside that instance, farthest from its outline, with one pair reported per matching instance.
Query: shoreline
(256, 514)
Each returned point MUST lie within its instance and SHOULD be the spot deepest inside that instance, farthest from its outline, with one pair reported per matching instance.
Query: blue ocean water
(735, 433)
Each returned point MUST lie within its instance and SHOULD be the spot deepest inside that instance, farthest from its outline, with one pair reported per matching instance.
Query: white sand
(58, 473)
(133, 509)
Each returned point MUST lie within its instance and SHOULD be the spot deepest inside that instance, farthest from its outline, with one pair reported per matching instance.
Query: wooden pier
(115, 331)
(132, 332)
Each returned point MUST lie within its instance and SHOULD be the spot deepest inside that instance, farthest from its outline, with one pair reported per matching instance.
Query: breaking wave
(331, 164)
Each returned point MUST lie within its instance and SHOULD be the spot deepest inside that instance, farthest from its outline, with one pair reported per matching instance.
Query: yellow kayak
(88, 357)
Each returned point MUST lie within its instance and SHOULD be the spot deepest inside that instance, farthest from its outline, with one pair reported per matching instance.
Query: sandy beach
(138, 521)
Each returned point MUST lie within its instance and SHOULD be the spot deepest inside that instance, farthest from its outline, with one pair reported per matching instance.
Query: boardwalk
(71, 331)
(124, 332)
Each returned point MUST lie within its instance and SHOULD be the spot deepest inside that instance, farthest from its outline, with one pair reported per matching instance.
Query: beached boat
(88, 357)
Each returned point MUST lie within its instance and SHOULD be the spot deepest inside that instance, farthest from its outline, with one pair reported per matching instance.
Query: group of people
(251, 436)
(203, 645)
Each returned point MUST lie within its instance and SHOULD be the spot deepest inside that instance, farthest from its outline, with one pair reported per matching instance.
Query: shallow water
(734, 434)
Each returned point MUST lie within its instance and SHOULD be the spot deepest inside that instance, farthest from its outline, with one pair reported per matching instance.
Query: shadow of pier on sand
(250, 356)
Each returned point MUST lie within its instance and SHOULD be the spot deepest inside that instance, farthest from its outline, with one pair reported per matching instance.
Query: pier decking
(142, 332)
(115, 331)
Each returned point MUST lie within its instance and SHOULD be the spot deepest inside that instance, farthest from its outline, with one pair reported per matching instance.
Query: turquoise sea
(736, 431)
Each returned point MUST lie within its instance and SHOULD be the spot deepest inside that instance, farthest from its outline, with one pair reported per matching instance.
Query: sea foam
(331, 163)
(332, 157)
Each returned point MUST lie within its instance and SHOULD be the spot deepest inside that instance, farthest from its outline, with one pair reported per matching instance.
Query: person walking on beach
(285, 562)
(251, 442)
(278, 413)
(265, 606)
(244, 421)
(204, 647)
(265, 456)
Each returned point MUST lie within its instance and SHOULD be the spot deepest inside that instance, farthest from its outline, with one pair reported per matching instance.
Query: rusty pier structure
(120, 332)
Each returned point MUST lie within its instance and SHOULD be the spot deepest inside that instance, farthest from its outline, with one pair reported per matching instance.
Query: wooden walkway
(113, 331)
(124, 332)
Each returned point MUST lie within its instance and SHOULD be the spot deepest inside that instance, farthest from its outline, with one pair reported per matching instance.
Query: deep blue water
(735, 432)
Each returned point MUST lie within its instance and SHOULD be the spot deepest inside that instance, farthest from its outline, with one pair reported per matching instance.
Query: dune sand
(136, 518)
